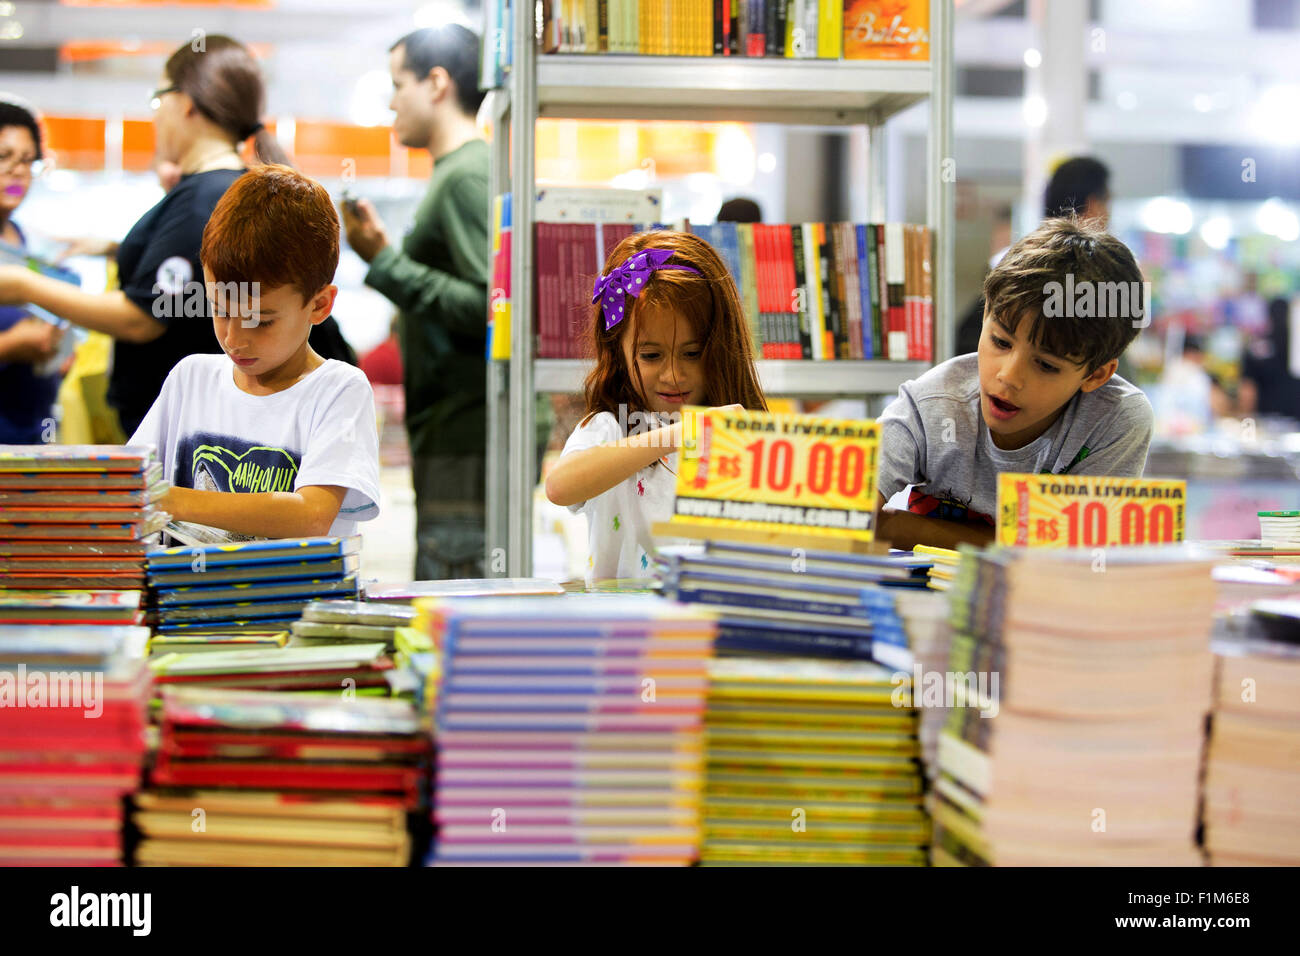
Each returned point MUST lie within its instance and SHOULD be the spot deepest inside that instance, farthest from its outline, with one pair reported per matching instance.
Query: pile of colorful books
(772, 600)
(72, 741)
(353, 668)
(1252, 774)
(811, 762)
(249, 585)
(351, 622)
(73, 519)
(569, 729)
(1083, 682)
(250, 778)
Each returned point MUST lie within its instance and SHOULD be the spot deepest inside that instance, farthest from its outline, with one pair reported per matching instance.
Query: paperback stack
(351, 668)
(810, 603)
(282, 780)
(929, 638)
(1085, 681)
(72, 724)
(1252, 776)
(73, 519)
(568, 730)
(350, 622)
(249, 585)
(810, 762)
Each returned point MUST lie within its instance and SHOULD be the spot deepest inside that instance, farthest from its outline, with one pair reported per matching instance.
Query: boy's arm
(905, 530)
(305, 513)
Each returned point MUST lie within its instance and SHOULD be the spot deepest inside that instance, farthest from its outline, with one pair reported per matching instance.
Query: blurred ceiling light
(370, 97)
(11, 30)
(1035, 111)
(1276, 218)
(1274, 114)
(1203, 102)
(766, 163)
(733, 155)
(1216, 231)
(1163, 214)
(1033, 59)
(632, 179)
(442, 12)
(6, 9)
(1127, 100)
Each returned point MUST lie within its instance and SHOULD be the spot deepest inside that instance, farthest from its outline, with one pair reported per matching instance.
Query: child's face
(1024, 389)
(263, 333)
(669, 359)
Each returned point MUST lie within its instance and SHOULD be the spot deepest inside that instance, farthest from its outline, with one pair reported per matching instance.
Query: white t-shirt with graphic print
(321, 430)
(619, 521)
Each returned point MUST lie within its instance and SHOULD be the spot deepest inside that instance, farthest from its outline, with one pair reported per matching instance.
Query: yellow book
(645, 25)
(830, 29)
(813, 291)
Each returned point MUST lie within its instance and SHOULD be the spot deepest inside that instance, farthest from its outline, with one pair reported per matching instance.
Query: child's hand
(31, 340)
(727, 408)
(364, 229)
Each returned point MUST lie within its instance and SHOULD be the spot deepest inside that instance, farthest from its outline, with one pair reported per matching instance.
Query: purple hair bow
(630, 278)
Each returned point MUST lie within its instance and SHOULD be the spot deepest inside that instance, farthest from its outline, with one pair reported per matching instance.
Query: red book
(789, 312)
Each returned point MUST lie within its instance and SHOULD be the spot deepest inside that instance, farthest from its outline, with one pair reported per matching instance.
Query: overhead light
(733, 155)
(11, 30)
(6, 9)
(1164, 214)
(1035, 111)
(766, 163)
(1276, 218)
(1274, 113)
(1127, 100)
(1033, 59)
(1216, 231)
(1203, 102)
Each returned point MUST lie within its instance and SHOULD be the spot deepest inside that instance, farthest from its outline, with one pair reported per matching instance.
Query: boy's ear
(441, 81)
(322, 303)
(1099, 377)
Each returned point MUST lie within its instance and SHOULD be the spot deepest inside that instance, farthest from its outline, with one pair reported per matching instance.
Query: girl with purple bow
(667, 331)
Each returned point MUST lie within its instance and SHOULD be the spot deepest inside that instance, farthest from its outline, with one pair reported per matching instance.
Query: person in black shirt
(1267, 385)
(207, 104)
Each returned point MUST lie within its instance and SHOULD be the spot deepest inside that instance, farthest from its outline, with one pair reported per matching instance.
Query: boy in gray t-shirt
(1039, 395)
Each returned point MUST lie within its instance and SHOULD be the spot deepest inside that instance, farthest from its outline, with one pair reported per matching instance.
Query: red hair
(707, 299)
(276, 227)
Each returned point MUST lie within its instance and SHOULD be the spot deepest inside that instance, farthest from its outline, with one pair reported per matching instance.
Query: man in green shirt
(438, 279)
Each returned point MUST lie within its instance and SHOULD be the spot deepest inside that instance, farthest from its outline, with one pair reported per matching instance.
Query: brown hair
(707, 300)
(276, 227)
(222, 79)
(1035, 270)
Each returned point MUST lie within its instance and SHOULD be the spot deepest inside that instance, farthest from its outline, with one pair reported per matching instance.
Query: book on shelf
(793, 29)
(818, 291)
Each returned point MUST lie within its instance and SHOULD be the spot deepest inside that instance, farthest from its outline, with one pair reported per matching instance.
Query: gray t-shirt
(933, 436)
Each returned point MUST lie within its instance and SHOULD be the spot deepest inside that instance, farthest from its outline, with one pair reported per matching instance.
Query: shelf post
(940, 199)
(520, 441)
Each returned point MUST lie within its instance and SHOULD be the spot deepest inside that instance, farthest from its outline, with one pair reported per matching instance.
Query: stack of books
(816, 291)
(248, 585)
(770, 600)
(351, 622)
(249, 778)
(929, 637)
(1083, 681)
(351, 668)
(1252, 775)
(163, 644)
(73, 518)
(811, 762)
(569, 730)
(72, 741)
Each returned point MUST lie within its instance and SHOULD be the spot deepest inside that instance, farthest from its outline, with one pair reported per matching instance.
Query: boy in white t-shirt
(268, 440)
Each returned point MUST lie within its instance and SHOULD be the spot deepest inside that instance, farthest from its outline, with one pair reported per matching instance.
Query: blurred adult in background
(438, 279)
(1267, 385)
(26, 395)
(1079, 187)
(208, 102)
(739, 210)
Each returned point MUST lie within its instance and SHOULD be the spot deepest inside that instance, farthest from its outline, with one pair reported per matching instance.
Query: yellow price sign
(1085, 511)
(777, 472)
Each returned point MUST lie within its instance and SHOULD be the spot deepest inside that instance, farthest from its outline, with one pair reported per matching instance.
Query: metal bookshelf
(805, 92)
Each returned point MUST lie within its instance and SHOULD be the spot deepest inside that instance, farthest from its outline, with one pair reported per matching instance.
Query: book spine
(719, 34)
(786, 287)
(894, 274)
(756, 44)
(832, 346)
(848, 262)
(748, 296)
(830, 29)
(816, 318)
(780, 46)
(842, 349)
(912, 289)
(762, 276)
(602, 26)
(801, 289)
(864, 292)
(810, 20)
(874, 273)
(773, 39)
(927, 294)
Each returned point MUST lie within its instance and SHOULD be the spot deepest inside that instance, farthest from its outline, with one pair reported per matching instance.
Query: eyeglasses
(156, 100)
(10, 162)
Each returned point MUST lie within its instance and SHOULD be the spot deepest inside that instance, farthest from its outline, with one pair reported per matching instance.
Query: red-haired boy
(269, 439)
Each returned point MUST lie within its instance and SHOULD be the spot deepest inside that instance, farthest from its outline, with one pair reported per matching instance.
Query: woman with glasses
(26, 395)
(208, 103)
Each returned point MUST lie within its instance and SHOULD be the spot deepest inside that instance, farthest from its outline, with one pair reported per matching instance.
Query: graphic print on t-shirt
(226, 463)
(946, 506)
